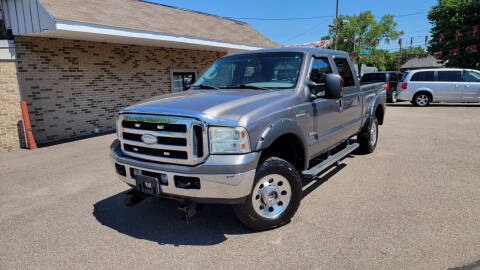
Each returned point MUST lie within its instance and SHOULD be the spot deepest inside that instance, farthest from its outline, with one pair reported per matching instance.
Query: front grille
(165, 139)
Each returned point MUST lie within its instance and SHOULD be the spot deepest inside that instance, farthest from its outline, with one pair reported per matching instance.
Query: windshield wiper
(244, 86)
(203, 86)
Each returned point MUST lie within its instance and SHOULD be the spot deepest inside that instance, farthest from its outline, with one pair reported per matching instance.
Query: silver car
(425, 86)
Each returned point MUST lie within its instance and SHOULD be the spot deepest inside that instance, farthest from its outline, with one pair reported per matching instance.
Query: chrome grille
(172, 139)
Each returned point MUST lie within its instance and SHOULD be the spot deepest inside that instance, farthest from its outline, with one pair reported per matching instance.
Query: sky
(411, 16)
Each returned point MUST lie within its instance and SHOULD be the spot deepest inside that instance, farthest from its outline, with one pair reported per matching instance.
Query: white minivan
(423, 86)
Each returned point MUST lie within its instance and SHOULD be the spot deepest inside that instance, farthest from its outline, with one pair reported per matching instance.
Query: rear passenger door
(351, 115)
(449, 86)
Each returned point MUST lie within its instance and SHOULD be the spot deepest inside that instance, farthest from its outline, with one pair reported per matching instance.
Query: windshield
(279, 70)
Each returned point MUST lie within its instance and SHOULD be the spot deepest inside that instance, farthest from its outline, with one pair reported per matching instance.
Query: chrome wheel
(271, 196)
(373, 134)
(422, 100)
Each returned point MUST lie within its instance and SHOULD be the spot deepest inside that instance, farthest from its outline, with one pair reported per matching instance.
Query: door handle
(468, 85)
(457, 85)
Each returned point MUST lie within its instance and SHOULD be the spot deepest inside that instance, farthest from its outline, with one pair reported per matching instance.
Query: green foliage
(448, 16)
(366, 30)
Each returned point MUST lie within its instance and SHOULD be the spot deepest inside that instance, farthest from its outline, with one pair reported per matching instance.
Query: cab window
(345, 71)
(320, 68)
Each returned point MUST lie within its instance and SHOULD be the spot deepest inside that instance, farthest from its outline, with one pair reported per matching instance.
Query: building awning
(130, 22)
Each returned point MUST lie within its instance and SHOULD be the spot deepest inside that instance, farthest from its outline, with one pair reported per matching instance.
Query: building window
(182, 79)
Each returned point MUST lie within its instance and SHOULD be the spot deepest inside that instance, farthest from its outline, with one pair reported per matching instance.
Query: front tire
(368, 138)
(275, 196)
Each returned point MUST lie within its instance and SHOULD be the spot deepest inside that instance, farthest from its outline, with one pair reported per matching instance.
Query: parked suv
(390, 78)
(247, 133)
(425, 86)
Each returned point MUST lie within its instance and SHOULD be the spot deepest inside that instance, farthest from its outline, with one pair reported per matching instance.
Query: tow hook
(133, 197)
(188, 209)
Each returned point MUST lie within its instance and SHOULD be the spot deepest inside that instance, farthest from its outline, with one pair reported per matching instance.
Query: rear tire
(421, 99)
(275, 196)
(368, 138)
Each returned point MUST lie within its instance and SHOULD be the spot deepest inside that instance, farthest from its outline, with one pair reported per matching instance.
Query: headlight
(228, 140)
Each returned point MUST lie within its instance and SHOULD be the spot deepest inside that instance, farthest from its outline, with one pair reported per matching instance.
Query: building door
(181, 81)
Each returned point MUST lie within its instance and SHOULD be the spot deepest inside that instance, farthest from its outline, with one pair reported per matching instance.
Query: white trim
(181, 70)
(7, 50)
(131, 33)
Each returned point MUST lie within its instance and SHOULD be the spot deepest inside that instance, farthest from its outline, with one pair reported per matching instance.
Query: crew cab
(390, 78)
(249, 131)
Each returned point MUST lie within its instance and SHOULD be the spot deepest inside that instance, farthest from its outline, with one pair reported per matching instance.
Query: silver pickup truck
(249, 131)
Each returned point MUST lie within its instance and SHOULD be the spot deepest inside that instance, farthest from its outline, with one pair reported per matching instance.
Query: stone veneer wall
(10, 113)
(72, 87)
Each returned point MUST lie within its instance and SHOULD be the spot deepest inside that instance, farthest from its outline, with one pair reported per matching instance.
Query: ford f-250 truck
(248, 132)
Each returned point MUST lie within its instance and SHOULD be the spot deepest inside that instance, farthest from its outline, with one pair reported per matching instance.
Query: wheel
(421, 99)
(275, 196)
(394, 97)
(368, 138)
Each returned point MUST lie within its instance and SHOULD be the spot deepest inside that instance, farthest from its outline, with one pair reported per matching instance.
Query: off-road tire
(271, 166)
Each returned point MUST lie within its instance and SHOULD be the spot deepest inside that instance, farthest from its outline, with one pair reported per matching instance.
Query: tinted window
(423, 76)
(393, 77)
(345, 71)
(471, 76)
(320, 69)
(449, 76)
(374, 77)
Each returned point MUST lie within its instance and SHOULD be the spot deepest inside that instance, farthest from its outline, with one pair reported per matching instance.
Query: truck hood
(222, 106)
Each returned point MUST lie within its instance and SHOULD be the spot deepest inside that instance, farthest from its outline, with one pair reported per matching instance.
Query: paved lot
(413, 204)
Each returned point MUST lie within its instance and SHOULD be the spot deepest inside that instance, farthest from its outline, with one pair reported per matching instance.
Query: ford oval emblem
(149, 139)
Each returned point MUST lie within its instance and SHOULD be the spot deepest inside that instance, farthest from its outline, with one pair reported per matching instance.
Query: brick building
(76, 62)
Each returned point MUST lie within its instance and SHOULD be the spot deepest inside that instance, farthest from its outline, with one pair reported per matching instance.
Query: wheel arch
(277, 134)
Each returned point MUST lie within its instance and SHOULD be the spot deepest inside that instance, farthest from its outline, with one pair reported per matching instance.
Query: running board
(314, 171)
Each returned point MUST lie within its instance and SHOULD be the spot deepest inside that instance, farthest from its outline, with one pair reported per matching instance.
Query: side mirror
(333, 86)
(312, 85)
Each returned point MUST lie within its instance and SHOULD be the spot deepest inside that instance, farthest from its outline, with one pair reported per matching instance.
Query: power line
(280, 19)
(303, 33)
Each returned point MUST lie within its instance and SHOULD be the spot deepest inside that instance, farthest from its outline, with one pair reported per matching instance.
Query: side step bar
(314, 171)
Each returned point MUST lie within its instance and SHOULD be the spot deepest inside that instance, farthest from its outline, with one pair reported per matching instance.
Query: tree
(366, 30)
(447, 17)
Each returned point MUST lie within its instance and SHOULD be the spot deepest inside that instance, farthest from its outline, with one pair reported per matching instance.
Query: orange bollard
(28, 128)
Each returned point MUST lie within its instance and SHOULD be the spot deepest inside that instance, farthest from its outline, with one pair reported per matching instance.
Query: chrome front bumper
(223, 179)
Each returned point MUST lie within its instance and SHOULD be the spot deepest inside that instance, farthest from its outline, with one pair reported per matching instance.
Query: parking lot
(412, 204)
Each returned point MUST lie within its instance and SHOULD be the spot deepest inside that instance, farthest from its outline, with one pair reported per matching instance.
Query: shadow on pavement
(159, 221)
(318, 181)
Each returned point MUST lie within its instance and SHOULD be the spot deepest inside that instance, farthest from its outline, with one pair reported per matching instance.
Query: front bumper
(223, 178)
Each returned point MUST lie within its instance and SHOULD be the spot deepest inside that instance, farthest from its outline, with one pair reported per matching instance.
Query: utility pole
(336, 26)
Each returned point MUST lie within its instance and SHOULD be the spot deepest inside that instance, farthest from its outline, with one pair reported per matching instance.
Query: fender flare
(372, 108)
(279, 128)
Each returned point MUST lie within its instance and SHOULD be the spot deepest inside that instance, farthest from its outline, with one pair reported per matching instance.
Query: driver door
(323, 127)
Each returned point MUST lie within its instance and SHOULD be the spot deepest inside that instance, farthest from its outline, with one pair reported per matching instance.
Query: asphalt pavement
(412, 204)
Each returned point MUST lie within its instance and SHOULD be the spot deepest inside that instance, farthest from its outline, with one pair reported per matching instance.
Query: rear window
(374, 77)
(449, 76)
(423, 76)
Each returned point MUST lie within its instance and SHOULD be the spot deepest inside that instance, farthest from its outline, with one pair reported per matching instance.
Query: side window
(320, 68)
(393, 77)
(345, 71)
(424, 76)
(450, 76)
(471, 76)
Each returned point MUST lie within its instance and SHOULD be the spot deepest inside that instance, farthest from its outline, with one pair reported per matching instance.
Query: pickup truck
(249, 131)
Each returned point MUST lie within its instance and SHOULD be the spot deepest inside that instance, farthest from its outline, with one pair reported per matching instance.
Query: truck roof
(296, 49)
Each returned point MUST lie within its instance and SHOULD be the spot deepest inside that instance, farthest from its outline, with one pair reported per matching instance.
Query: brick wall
(10, 113)
(73, 87)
